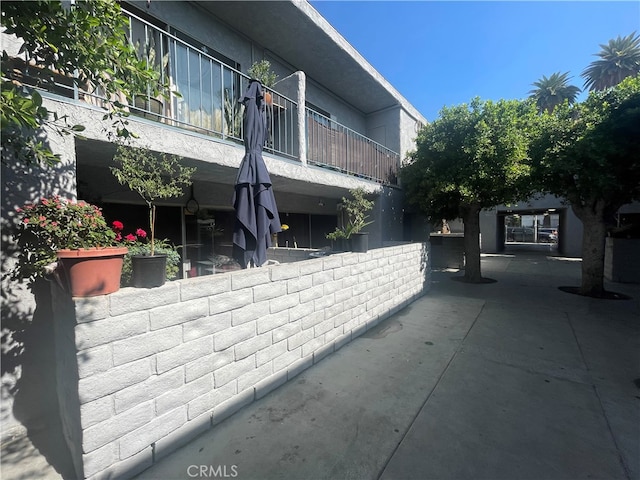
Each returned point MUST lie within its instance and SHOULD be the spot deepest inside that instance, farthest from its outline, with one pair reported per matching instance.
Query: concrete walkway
(510, 380)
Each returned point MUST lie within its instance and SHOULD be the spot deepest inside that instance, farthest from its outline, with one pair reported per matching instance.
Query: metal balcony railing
(203, 94)
(332, 145)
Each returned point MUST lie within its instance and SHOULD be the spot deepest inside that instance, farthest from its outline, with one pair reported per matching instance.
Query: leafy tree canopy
(85, 41)
(471, 156)
(151, 176)
(590, 151)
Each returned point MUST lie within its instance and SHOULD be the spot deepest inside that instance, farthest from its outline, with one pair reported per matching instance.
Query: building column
(302, 114)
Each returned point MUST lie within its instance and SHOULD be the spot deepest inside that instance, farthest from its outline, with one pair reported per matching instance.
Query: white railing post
(302, 116)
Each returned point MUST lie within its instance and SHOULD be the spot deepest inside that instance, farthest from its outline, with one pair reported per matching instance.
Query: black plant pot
(360, 242)
(340, 245)
(148, 271)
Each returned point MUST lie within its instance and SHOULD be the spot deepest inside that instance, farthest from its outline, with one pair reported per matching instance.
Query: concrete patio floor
(509, 380)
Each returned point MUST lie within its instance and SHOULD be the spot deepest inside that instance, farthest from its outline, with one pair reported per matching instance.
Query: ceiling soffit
(324, 56)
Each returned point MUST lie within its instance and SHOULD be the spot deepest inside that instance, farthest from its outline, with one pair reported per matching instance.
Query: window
(317, 109)
(209, 88)
(204, 48)
(204, 84)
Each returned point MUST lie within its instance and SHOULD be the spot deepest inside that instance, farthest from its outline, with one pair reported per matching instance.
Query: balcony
(201, 93)
(332, 145)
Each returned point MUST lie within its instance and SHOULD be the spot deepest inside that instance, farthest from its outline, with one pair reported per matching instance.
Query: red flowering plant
(138, 244)
(130, 239)
(57, 223)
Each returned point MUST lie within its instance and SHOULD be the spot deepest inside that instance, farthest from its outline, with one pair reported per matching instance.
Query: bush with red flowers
(57, 223)
(130, 239)
(138, 244)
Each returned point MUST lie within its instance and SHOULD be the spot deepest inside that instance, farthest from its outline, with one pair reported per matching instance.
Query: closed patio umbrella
(253, 200)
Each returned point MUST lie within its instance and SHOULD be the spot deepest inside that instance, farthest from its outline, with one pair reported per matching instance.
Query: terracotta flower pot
(92, 272)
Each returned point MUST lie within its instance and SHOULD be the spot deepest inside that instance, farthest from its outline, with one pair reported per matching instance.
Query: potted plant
(352, 220)
(153, 177)
(262, 72)
(137, 243)
(70, 239)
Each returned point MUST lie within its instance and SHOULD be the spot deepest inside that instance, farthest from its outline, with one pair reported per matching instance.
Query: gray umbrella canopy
(256, 211)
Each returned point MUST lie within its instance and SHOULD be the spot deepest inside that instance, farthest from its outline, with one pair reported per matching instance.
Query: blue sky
(438, 53)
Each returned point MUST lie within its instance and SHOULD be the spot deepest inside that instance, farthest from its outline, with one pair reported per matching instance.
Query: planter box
(622, 260)
(447, 250)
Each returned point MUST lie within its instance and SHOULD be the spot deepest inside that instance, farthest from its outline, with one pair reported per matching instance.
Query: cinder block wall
(143, 371)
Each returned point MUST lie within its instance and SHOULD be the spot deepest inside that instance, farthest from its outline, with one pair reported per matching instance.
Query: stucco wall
(409, 128)
(202, 26)
(22, 351)
(340, 111)
(379, 128)
(395, 128)
(142, 371)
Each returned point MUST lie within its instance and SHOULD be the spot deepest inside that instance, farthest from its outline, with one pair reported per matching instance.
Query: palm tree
(619, 59)
(553, 91)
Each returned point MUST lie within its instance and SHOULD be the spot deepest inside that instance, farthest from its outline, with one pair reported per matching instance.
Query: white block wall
(143, 371)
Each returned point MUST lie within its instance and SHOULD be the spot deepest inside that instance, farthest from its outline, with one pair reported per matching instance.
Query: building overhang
(309, 43)
(216, 160)
(287, 177)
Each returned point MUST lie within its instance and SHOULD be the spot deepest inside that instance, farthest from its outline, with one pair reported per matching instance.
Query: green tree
(472, 157)
(589, 153)
(152, 176)
(84, 41)
(553, 91)
(353, 215)
(619, 59)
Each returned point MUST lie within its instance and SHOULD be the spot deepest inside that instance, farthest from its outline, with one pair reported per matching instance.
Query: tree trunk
(152, 227)
(593, 248)
(471, 219)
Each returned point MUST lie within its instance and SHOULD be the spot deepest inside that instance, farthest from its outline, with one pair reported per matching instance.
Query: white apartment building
(335, 123)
